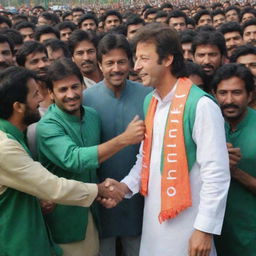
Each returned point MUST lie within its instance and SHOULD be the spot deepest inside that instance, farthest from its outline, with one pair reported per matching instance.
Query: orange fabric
(175, 186)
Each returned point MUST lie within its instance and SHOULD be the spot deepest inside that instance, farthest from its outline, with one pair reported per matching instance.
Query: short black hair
(25, 24)
(113, 41)
(242, 51)
(217, 12)
(231, 26)
(187, 36)
(6, 39)
(213, 38)
(65, 14)
(66, 24)
(150, 11)
(14, 35)
(61, 69)
(56, 44)
(28, 48)
(199, 14)
(13, 88)
(77, 9)
(176, 14)
(233, 70)
(161, 14)
(6, 20)
(233, 7)
(194, 69)
(87, 16)
(114, 13)
(248, 23)
(247, 10)
(166, 5)
(51, 17)
(45, 29)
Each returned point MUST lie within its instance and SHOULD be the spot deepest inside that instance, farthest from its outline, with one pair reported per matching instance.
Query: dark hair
(217, 12)
(13, 88)
(61, 69)
(161, 14)
(166, 5)
(187, 36)
(199, 14)
(213, 38)
(205, 28)
(249, 23)
(77, 9)
(113, 41)
(150, 11)
(45, 29)
(20, 18)
(28, 48)
(134, 20)
(216, 6)
(78, 36)
(191, 21)
(6, 39)
(14, 35)
(114, 13)
(51, 17)
(194, 69)
(233, 70)
(231, 27)
(38, 7)
(56, 44)
(65, 14)
(87, 16)
(176, 14)
(247, 10)
(25, 24)
(241, 51)
(233, 7)
(167, 43)
(145, 7)
(66, 24)
(6, 20)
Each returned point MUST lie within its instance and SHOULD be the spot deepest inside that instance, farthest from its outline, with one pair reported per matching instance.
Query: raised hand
(134, 132)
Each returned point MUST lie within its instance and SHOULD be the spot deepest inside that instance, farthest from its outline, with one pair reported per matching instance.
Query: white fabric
(89, 82)
(209, 181)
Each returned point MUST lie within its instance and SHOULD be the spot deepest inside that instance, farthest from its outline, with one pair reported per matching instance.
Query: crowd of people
(128, 132)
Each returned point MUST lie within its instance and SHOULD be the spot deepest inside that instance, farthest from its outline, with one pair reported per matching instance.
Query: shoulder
(138, 86)
(94, 89)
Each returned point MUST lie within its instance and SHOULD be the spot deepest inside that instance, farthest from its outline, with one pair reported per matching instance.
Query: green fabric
(188, 120)
(22, 227)
(239, 228)
(68, 148)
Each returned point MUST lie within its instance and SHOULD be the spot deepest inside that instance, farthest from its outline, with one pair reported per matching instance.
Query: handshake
(111, 192)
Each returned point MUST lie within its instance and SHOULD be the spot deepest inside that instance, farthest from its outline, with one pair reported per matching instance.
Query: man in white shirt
(183, 167)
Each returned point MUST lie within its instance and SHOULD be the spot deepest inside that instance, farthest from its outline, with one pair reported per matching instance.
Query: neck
(96, 76)
(234, 122)
(166, 85)
(117, 90)
(17, 123)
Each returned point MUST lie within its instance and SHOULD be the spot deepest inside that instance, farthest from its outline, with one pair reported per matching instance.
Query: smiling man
(118, 100)
(68, 137)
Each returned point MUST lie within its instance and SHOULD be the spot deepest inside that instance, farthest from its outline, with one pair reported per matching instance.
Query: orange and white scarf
(175, 186)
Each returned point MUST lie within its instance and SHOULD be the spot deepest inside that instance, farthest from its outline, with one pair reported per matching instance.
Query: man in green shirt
(22, 228)
(233, 86)
(68, 139)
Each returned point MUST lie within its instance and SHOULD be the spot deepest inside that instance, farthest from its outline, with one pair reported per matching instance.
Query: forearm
(244, 178)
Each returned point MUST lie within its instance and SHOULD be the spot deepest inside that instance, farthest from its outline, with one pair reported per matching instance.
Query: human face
(147, 66)
(233, 40)
(67, 94)
(132, 29)
(47, 36)
(161, 20)
(31, 113)
(38, 62)
(76, 16)
(249, 61)
(246, 17)
(249, 35)
(54, 55)
(4, 25)
(68, 18)
(65, 34)
(115, 67)
(6, 57)
(27, 34)
(85, 57)
(187, 52)
(89, 25)
(204, 20)
(111, 22)
(208, 57)
(218, 20)
(151, 18)
(233, 98)
(178, 23)
(232, 15)
(42, 21)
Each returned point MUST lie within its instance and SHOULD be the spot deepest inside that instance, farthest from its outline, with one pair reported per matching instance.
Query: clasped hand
(111, 192)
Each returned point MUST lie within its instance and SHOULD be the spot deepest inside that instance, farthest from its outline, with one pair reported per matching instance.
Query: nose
(116, 67)
(137, 65)
(70, 93)
(42, 64)
(206, 59)
(2, 58)
(228, 98)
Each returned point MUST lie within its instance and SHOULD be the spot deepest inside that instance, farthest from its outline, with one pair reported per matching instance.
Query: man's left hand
(200, 243)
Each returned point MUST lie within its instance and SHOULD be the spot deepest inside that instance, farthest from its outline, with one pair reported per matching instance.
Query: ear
(51, 94)
(250, 96)
(19, 107)
(168, 61)
(100, 66)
